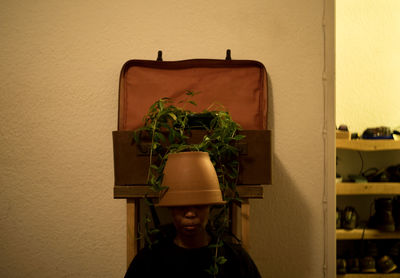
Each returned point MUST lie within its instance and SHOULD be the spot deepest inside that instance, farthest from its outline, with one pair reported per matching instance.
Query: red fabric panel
(241, 90)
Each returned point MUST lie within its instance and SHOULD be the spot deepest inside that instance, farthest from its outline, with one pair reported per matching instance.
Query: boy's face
(190, 220)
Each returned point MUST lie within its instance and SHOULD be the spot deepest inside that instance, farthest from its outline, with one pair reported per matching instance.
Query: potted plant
(169, 127)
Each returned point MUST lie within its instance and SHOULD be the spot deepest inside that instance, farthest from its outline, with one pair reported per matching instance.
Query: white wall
(367, 64)
(59, 65)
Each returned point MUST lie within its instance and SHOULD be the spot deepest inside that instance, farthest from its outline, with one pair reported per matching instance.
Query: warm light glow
(367, 63)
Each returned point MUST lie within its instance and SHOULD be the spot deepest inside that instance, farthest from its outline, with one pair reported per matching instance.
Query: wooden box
(131, 161)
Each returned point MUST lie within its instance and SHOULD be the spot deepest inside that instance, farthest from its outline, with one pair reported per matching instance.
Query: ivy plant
(167, 126)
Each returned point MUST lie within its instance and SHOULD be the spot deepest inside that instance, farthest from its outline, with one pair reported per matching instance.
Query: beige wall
(59, 70)
(368, 59)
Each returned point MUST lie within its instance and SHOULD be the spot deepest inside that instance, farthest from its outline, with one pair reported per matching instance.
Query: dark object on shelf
(383, 218)
(371, 249)
(349, 218)
(338, 218)
(393, 173)
(389, 174)
(377, 133)
(342, 132)
(341, 266)
(368, 264)
(353, 265)
(376, 175)
(394, 253)
(396, 212)
(358, 178)
(386, 264)
(354, 136)
(339, 178)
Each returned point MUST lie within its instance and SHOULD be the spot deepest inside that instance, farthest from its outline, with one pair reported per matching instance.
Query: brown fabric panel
(240, 87)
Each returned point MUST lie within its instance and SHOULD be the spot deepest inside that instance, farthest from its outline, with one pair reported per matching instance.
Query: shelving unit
(365, 189)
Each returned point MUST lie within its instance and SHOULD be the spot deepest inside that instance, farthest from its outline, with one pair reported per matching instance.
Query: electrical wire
(324, 136)
(328, 268)
(362, 163)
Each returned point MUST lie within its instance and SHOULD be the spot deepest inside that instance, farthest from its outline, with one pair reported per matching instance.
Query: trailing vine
(167, 126)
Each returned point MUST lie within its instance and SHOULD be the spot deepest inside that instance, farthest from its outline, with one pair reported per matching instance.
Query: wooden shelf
(357, 234)
(368, 145)
(375, 188)
(372, 188)
(369, 275)
(140, 191)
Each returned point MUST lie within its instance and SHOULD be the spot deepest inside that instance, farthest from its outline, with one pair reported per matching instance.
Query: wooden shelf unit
(376, 188)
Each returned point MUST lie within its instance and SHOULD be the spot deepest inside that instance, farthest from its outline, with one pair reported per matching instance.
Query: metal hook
(159, 56)
(228, 55)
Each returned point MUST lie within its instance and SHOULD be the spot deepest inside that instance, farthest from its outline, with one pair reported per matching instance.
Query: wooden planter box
(131, 161)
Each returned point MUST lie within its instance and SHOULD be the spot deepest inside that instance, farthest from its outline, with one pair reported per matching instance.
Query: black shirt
(169, 260)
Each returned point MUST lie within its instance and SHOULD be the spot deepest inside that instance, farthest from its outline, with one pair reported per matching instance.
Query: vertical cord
(324, 136)
(362, 163)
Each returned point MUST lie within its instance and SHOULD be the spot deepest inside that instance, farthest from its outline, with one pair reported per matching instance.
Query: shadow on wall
(281, 234)
(281, 223)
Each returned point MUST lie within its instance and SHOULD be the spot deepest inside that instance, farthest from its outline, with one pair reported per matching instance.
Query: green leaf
(159, 136)
(173, 116)
(215, 245)
(171, 135)
(221, 260)
(154, 231)
(160, 105)
(239, 137)
(213, 269)
(136, 136)
(152, 180)
(153, 166)
(148, 202)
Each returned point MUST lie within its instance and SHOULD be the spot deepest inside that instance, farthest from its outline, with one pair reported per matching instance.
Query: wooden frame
(218, 81)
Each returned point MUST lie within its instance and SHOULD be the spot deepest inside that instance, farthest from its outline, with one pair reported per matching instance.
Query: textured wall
(368, 59)
(59, 70)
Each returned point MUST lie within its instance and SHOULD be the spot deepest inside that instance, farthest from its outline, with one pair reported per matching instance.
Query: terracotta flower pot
(191, 180)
